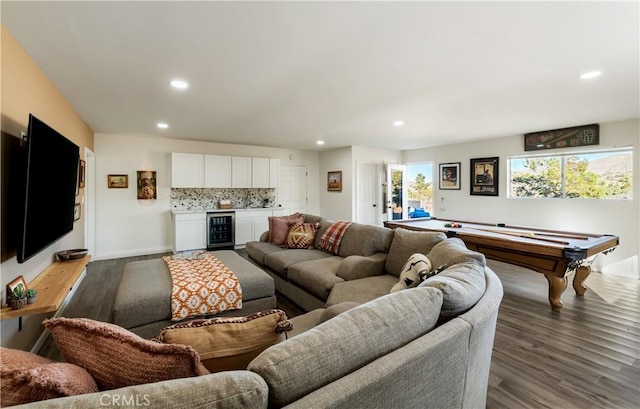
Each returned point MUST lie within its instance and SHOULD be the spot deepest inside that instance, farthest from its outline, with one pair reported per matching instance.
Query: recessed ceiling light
(589, 75)
(398, 123)
(179, 84)
(163, 125)
(320, 142)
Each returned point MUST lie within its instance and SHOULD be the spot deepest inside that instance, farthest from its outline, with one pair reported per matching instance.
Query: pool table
(552, 253)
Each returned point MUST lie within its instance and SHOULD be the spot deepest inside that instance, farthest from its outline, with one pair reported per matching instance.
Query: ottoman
(143, 300)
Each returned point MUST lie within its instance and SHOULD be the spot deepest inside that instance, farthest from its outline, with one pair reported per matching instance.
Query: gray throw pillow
(405, 243)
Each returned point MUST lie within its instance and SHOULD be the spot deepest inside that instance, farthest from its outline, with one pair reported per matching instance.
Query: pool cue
(569, 236)
(523, 235)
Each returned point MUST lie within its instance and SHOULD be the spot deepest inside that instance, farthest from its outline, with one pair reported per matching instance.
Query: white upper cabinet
(240, 171)
(187, 170)
(274, 173)
(260, 172)
(217, 171)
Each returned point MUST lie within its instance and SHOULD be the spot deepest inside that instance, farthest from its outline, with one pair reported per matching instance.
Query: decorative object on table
(118, 181)
(583, 135)
(147, 185)
(74, 254)
(31, 295)
(484, 176)
(14, 284)
(76, 212)
(81, 173)
(449, 176)
(18, 297)
(334, 181)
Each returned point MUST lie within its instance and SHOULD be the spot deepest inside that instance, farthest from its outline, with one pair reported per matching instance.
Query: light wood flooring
(586, 356)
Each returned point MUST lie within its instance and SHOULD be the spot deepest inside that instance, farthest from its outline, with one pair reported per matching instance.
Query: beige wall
(25, 89)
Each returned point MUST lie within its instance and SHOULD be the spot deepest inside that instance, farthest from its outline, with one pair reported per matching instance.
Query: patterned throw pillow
(301, 236)
(278, 231)
(116, 357)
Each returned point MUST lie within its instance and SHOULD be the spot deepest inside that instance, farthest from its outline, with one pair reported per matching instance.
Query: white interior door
(367, 186)
(397, 197)
(292, 193)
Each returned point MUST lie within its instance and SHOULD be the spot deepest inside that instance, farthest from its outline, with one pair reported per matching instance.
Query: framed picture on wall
(118, 181)
(146, 183)
(334, 181)
(449, 176)
(484, 176)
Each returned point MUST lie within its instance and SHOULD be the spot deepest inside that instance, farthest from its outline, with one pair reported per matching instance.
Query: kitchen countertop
(237, 209)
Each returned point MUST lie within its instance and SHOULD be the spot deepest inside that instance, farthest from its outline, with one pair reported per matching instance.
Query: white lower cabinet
(250, 224)
(190, 230)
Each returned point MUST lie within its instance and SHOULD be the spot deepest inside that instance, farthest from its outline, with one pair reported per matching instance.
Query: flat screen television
(50, 174)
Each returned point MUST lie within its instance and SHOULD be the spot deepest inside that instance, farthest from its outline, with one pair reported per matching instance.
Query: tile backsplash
(206, 199)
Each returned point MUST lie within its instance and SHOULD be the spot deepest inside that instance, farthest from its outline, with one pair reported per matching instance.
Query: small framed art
(334, 181)
(118, 181)
(484, 176)
(19, 281)
(147, 184)
(449, 176)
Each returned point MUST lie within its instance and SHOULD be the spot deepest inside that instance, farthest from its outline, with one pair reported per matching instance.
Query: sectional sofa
(359, 346)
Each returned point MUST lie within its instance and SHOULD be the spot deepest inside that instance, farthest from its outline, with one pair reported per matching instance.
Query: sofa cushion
(280, 261)
(336, 310)
(453, 251)
(405, 243)
(365, 240)
(279, 227)
(27, 377)
(257, 250)
(462, 285)
(316, 276)
(301, 236)
(231, 342)
(361, 290)
(116, 357)
(383, 325)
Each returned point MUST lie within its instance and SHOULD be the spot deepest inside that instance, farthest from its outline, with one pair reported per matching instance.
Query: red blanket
(331, 239)
(202, 286)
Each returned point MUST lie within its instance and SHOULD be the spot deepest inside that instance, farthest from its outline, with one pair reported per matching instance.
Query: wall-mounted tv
(50, 173)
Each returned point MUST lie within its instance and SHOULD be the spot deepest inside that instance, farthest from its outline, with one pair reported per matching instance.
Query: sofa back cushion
(365, 240)
(462, 282)
(405, 243)
(335, 348)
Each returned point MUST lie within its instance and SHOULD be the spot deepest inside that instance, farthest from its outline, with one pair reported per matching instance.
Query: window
(594, 174)
(420, 189)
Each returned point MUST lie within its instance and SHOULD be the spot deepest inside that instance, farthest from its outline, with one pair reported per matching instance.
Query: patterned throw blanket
(330, 240)
(202, 285)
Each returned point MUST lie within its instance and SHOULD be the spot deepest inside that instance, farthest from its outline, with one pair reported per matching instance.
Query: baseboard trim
(142, 252)
(43, 337)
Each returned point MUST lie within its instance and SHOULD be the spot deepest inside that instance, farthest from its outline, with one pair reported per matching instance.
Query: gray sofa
(391, 352)
(358, 346)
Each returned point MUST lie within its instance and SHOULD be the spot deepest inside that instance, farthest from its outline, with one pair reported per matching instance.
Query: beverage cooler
(220, 230)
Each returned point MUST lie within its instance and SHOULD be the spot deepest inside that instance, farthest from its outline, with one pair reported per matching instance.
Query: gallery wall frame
(15, 283)
(449, 176)
(334, 181)
(118, 181)
(484, 176)
(146, 185)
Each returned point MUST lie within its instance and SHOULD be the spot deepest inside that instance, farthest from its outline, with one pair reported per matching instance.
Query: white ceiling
(286, 74)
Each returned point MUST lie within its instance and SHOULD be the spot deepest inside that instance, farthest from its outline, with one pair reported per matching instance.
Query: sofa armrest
(264, 236)
(355, 267)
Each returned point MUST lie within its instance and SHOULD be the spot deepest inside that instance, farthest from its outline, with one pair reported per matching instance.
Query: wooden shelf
(53, 286)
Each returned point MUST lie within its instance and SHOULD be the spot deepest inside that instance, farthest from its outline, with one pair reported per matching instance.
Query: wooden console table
(53, 286)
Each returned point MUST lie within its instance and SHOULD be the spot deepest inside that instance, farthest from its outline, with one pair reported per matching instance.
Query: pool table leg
(581, 274)
(557, 285)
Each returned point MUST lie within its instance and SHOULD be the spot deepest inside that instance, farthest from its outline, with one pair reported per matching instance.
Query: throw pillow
(116, 357)
(27, 377)
(279, 227)
(301, 236)
(293, 218)
(228, 343)
(405, 243)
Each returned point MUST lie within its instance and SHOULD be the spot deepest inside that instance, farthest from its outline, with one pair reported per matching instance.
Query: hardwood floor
(586, 356)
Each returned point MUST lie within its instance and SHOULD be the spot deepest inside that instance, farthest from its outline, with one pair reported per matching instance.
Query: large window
(420, 189)
(594, 174)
